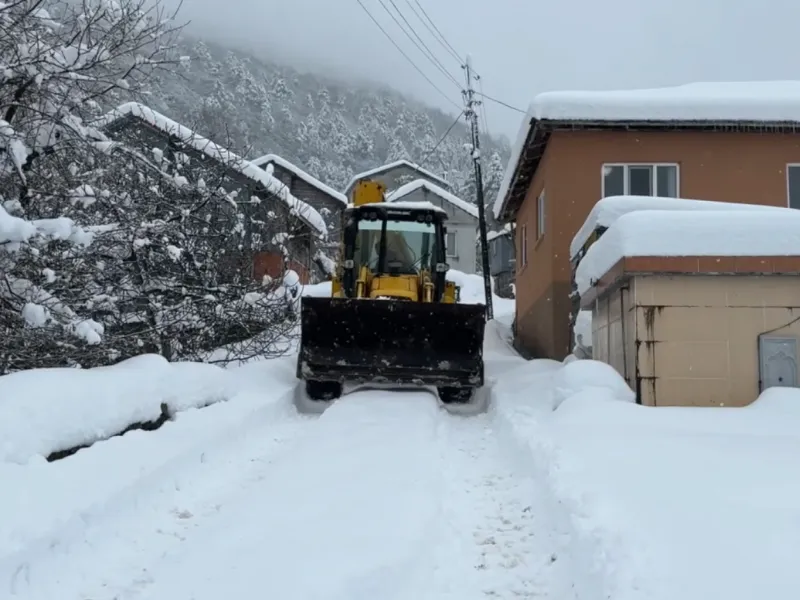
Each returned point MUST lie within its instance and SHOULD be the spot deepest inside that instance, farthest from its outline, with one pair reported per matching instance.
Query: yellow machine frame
(415, 288)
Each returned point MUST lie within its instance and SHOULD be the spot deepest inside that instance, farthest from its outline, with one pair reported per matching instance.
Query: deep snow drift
(665, 503)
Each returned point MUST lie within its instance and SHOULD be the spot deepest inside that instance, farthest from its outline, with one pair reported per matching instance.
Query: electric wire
(432, 56)
(413, 64)
(443, 39)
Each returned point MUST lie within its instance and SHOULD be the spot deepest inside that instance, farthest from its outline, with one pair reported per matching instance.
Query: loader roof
(403, 207)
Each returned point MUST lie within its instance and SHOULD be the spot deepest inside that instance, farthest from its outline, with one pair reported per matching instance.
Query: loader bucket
(391, 342)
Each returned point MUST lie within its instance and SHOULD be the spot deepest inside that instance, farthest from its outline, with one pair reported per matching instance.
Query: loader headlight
(442, 267)
(349, 264)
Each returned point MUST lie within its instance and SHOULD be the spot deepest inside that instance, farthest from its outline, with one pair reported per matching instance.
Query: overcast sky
(521, 47)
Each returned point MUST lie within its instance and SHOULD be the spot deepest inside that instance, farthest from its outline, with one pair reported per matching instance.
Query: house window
(540, 215)
(793, 185)
(641, 180)
(450, 244)
(523, 245)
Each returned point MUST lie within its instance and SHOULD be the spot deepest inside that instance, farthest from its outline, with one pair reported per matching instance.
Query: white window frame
(451, 252)
(626, 178)
(523, 246)
(540, 215)
(788, 191)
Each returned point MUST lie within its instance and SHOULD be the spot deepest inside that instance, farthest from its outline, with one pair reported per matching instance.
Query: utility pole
(472, 116)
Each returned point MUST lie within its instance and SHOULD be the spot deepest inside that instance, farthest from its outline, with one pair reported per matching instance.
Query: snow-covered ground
(565, 489)
(686, 503)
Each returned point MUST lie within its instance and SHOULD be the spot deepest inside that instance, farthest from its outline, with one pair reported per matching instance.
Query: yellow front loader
(392, 317)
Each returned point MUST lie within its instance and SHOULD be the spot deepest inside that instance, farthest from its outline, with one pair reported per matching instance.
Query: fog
(520, 47)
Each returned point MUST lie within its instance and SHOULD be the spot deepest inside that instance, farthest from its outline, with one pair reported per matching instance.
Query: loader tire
(322, 391)
(455, 395)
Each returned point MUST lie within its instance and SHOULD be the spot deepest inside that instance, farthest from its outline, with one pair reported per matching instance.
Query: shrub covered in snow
(590, 378)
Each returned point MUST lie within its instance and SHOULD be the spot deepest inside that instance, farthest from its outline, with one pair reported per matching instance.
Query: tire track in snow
(495, 538)
(96, 551)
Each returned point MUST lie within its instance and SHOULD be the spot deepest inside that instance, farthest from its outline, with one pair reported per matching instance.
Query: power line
(434, 59)
(430, 57)
(432, 150)
(441, 139)
(413, 64)
(519, 110)
(443, 40)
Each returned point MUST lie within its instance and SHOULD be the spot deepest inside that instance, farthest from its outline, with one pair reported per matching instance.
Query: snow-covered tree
(108, 250)
(59, 59)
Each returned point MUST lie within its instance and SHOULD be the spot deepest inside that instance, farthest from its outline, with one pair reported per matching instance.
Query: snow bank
(664, 503)
(589, 379)
(611, 208)
(746, 101)
(49, 410)
(409, 188)
(472, 292)
(691, 233)
(58, 508)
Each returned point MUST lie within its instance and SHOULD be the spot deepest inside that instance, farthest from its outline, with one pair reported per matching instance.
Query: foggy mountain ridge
(327, 126)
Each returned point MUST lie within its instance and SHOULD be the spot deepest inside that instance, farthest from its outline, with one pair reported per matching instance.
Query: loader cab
(394, 239)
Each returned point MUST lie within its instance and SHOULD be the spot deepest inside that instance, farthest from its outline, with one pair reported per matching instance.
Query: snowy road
(384, 495)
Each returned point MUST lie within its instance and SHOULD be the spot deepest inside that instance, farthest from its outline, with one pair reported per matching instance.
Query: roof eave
(540, 130)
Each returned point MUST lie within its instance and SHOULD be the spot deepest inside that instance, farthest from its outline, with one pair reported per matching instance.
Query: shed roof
(611, 208)
(685, 233)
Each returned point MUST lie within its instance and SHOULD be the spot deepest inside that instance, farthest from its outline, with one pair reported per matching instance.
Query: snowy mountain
(330, 128)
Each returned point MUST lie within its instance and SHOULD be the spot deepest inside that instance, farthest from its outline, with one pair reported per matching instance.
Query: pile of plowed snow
(665, 503)
(43, 411)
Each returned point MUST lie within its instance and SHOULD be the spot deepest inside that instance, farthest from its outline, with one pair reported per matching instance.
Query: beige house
(696, 307)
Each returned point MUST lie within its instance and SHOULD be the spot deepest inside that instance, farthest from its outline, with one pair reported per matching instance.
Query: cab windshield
(410, 246)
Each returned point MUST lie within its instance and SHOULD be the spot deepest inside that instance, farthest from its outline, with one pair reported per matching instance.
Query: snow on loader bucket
(391, 343)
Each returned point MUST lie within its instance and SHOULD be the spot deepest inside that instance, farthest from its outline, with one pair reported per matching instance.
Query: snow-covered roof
(737, 101)
(691, 233)
(389, 167)
(309, 179)
(298, 208)
(751, 102)
(493, 235)
(409, 188)
(611, 208)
